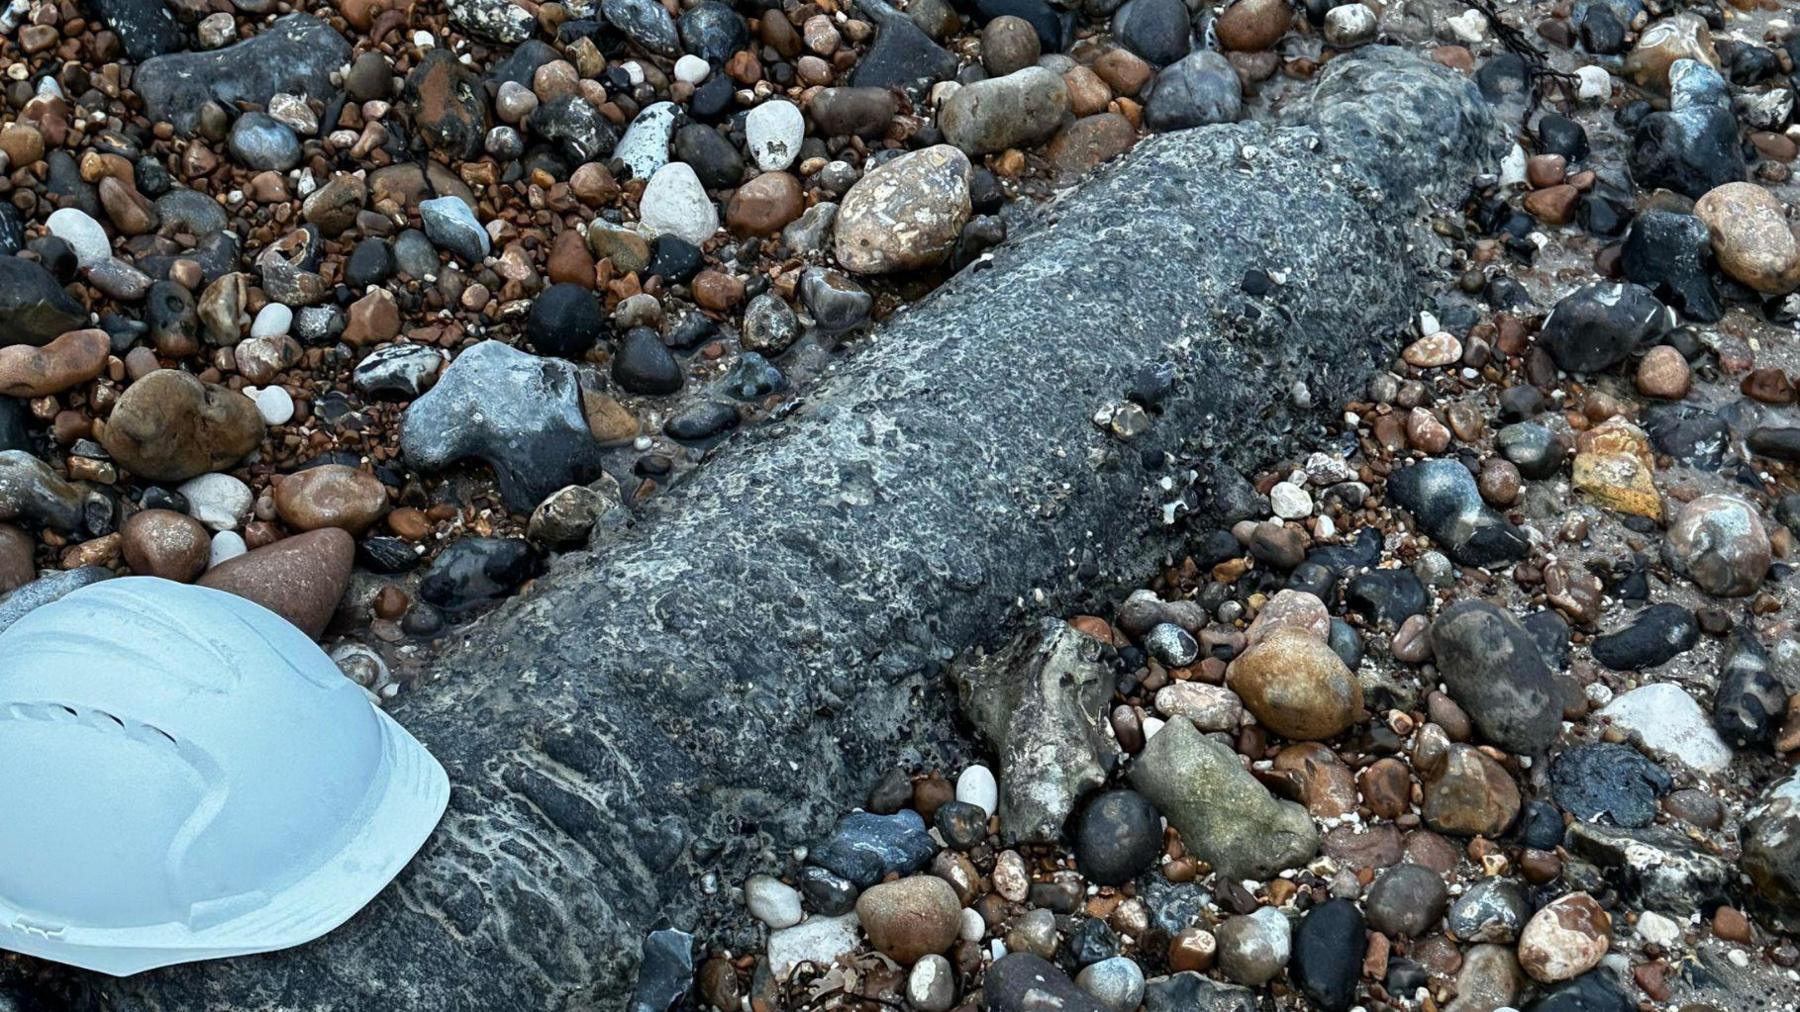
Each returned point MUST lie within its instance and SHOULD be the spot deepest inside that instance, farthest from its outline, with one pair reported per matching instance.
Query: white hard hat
(184, 775)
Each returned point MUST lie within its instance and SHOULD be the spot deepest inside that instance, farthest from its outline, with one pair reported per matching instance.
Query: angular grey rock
(1770, 857)
(903, 56)
(451, 225)
(31, 491)
(1494, 671)
(1193, 992)
(1225, 816)
(644, 22)
(1445, 503)
(42, 591)
(34, 309)
(296, 55)
(1201, 88)
(769, 637)
(521, 414)
(1657, 867)
(1041, 703)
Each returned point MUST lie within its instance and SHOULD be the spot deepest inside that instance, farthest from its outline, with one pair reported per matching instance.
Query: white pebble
(974, 929)
(772, 901)
(692, 69)
(675, 202)
(1596, 83)
(226, 545)
(1290, 501)
(772, 134)
(1470, 26)
(820, 940)
(976, 786)
(275, 405)
(83, 234)
(1512, 167)
(1654, 927)
(272, 320)
(218, 501)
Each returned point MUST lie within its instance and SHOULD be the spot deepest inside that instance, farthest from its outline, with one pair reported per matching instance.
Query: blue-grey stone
(520, 413)
(451, 225)
(865, 848)
(45, 589)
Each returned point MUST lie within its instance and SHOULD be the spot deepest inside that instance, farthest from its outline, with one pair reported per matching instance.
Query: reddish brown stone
(765, 205)
(301, 578)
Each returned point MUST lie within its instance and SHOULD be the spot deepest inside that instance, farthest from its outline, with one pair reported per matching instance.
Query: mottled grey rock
(1492, 910)
(1041, 703)
(34, 309)
(1657, 867)
(296, 55)
(644, 22)
(494, 20)
(1021, 982)
(1770, 857)
(1494, 671)
(520, 413)
(645, 146)
(31, 491)
(1225, 816)
(769, 637)
(146, 28)
(42, 591)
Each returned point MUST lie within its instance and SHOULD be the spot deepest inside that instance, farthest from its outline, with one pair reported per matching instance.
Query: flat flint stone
(296, 55)
(1042, 704)
(1446, 503)
(865, 848)
(520, 413)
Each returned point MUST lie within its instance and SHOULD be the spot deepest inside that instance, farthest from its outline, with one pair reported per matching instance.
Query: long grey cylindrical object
(707, 691)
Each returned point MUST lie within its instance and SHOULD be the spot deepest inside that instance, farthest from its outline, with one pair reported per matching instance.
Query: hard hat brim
(413, 795)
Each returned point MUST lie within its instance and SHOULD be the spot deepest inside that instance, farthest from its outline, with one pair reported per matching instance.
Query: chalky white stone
(218, 501)
(931, 986)
(772, 901)
(675, 203)
(692, 69)
(226, 545)
(645, 146)
(821, 940)
(275, 405)
(272, 320)
(1290, 501)
(1595, 83)
(772, 134)
(976, 786)
(83, 234)
(1668, 720)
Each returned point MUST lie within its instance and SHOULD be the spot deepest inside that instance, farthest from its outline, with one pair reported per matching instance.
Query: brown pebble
(166, 544)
